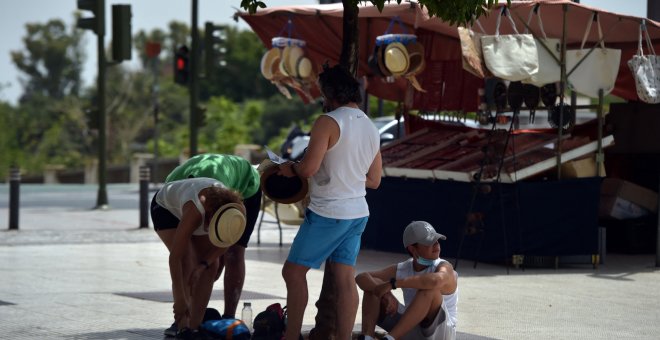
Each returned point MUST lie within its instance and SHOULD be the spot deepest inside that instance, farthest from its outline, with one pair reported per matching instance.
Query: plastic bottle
(246, 314)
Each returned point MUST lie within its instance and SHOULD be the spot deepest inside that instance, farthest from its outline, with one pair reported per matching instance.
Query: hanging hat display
(398, 55)
(286, 64)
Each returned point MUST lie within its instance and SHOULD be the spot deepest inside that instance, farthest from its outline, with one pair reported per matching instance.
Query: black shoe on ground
(171, 331)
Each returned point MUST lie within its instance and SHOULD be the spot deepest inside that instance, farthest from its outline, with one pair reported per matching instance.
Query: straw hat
(227, 225)
(381, 61)
(283, 189)
(374, 65)
(267, 61)
(303, 68)
(290, 56)
(416, 63)
(396, 58)
(415, 58)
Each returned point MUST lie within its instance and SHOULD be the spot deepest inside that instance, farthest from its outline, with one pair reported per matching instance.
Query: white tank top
(337, 190)
(172, 196)
(405, 269)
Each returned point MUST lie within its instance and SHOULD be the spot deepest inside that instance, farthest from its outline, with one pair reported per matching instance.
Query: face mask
(424, 262)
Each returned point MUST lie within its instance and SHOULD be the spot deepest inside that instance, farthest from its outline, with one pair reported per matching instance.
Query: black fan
(567, 116)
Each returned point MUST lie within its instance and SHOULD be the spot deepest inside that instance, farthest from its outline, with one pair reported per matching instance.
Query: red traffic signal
(181, 65)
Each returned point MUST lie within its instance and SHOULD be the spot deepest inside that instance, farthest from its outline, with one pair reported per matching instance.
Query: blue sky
(150, 14)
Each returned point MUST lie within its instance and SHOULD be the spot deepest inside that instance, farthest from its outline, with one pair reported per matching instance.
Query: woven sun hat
(415, 58)
(381, 61)
(396, 58)
(267, 61)
(416, 64)
(303, 68)
(290, 57)
(282, 189)
(227, 225)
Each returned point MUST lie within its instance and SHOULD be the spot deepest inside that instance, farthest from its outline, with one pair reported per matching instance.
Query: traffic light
(215, 38)
(121, 32)
(96, 23)
(181, 65)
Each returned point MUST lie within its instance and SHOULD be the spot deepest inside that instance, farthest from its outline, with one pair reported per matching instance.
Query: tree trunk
(351, 32)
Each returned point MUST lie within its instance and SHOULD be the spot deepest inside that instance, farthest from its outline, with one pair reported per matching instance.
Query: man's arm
(369, 281)
(324, 135)
(443, 278)
(190, 219)
(375, 172)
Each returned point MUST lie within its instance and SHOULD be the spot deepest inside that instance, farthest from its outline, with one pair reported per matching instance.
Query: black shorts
(164, 219)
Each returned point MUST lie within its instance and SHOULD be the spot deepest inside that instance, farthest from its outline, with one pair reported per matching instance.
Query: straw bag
(590, 72)
(549, 69)
(646, 70)
(473, 60)
(511, 57)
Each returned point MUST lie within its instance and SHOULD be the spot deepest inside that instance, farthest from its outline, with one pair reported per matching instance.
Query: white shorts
(442, 328)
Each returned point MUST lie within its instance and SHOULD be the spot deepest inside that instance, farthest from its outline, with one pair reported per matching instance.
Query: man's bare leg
(371, 306)
(234, 262)
(295, 277)
(426, 304)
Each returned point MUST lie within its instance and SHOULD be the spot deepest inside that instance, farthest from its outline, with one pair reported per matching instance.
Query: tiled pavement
(75, 273)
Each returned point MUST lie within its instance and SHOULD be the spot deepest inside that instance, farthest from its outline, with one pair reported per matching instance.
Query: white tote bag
(597, 71)
(646, 70)
(549, 69)
(511, 57)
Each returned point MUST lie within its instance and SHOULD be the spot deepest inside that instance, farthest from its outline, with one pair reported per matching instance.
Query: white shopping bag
(598, 71)
(646, 70)
(511, 57)
(549, 69)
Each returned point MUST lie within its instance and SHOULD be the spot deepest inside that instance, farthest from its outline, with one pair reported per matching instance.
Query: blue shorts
(321, 238)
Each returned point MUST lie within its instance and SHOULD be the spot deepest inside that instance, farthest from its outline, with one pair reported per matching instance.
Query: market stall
(543, 217)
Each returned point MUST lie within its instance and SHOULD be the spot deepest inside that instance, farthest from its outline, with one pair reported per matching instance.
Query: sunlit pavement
(71, 272)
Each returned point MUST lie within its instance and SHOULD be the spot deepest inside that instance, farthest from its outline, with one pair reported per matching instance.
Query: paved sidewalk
(75, 273)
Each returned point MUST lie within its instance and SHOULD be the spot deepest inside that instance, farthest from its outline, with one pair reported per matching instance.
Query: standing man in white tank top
(342, 160)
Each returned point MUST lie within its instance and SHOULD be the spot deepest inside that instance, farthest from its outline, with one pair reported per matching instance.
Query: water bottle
(246, 315)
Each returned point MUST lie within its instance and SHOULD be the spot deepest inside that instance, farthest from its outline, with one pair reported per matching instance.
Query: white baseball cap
(421, 232)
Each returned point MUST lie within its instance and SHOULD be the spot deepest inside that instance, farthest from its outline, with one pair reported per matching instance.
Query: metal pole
(194, 80)
(145, 175)
(155, 63)
(657, 237)
(102, 197)
(562, 88)
(600, 157)
(14, 191)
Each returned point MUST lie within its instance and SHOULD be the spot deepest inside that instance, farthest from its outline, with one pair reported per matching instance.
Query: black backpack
(270, 324)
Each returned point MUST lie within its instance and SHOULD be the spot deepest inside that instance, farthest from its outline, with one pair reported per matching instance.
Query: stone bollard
(14, 190)
(145, 177)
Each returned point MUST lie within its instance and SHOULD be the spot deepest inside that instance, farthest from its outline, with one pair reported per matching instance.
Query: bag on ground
(270, 324)
(216, 327)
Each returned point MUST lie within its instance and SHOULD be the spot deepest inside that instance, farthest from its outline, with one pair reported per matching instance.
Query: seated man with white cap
(429, 286)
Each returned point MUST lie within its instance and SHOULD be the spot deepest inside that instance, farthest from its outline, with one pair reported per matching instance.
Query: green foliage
(51, 60)
(240, 79)
(455, 12)
(226, 126)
